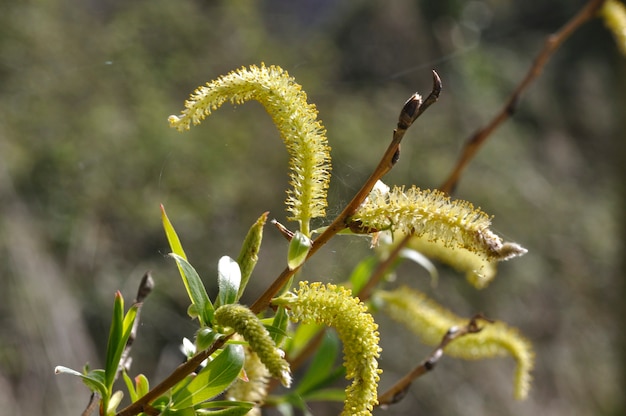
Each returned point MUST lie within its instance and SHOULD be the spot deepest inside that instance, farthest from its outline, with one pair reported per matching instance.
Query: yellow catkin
(246, 324)
(296, 120)
(430, 322)
(334, 306)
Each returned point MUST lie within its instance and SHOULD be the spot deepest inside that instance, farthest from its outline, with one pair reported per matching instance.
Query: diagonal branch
(398, 390)
(552, 43)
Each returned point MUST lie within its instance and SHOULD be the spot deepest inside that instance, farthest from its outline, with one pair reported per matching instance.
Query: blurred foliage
(86, 156)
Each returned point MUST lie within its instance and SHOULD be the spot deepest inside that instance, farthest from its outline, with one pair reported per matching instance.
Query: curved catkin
(296, 120)
(430, 322)
(246, 324)
(334, 306)
(434, 216)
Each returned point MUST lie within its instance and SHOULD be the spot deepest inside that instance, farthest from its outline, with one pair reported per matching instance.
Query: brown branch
(552, 43)
(382, 268)
(94, 402)
(398, 390)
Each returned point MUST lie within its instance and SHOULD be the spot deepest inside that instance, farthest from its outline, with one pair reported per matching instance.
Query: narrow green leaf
(327, 395)
(195, 290)
(224, 408)
(304, 333)
(228, 280)
(132, 392)
(249, 253)
(172, 237)
(278, 329)
(361, 274)
(321, 366)
(115, 341)
(299, 248)
(212, 380)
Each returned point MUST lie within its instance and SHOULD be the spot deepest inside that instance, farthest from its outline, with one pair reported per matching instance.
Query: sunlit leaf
(224, 408)
(172, 237)
(132, 392)
(121, 327)
(212, 380)
(195, 290)
(228, 280)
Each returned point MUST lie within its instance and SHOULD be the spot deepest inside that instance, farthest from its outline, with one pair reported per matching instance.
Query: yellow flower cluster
(246, 324)
(296, 120)
(334, 306)
(453, 223)
(430, 322)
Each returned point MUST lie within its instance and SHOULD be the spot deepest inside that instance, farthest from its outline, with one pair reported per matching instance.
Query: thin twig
(398, 390)
(94, 402)
(552, 43)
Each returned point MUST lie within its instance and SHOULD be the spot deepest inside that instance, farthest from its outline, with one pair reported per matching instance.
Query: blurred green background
(86, 157)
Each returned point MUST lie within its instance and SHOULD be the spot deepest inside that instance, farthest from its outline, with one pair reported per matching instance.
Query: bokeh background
(86, 157)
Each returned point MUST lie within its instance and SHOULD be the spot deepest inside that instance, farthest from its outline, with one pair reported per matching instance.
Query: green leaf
(361, 274)
(278, 329)
(320, 372)
(172, 237)
(115, 344)
(195, 290)
(94, 379)
(304, 333)
(205, 337)
(299, 248)
(228, 280)
(132, 392)
(327, 395)
(224, 408)
(212, 380)
(143, 386)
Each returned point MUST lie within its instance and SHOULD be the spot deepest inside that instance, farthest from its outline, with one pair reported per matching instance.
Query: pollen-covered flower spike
(334, 306)
(246, 324)
(296, 120)
(452, 231)
(430, 322)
